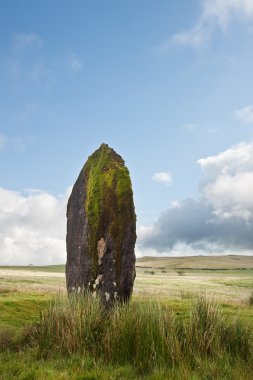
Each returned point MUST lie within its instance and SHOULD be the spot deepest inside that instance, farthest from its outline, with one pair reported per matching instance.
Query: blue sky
(164, 83)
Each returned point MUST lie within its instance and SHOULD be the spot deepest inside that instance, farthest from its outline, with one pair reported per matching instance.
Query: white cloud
(220, 220)
(196, 37)
(3, 142)
(231, 195)
(27, 40)
(229, 187)
(214, 13)
(222, 11)
(245, 114)
(32, 228)
(238, 158)
(164, 177)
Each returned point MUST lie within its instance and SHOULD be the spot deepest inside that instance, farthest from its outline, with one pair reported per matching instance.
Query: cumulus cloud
(221, 219)
(222, 11)
(32, 228)
(214, 13)
(164, 177)
(236, 159)
(245, 114)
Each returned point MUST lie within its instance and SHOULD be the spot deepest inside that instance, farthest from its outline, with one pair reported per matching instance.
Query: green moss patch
(109, 201)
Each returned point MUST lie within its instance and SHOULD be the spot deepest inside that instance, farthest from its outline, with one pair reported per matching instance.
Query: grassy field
(175, 283)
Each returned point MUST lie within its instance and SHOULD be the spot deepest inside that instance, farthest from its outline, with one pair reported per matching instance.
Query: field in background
(25, 290)
(175, 282)
(229, 279)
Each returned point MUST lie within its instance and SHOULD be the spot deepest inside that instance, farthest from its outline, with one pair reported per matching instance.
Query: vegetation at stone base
(140, 340)
(109, 200)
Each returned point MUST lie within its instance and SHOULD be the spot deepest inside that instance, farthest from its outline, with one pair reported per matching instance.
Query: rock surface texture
(101, 229)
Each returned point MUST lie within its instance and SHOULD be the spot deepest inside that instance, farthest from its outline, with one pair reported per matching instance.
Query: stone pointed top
(108, 154)
(104, 146)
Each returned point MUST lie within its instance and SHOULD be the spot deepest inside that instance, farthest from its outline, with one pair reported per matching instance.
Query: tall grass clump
(200, 334)
(71, 325)
(143, 334)
(236, 339)
(208, 334)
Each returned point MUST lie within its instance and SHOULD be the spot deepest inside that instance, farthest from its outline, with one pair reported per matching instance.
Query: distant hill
(189, 262)
(197, 262)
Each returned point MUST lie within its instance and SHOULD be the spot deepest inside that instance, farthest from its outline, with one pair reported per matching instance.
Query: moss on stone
(109, 202)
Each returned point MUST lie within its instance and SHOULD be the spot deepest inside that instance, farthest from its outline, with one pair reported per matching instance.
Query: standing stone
(101, 229)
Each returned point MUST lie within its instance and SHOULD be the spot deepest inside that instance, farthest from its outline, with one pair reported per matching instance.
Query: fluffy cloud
(32, 228)
(221, 219)
(222, 11)
(214, 13)
(163, 177)
(245, 114)
(229, 187)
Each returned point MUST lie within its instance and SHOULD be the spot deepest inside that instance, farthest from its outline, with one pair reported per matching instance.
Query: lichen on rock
(101, 228)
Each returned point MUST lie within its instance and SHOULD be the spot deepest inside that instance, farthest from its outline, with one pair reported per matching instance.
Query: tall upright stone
(101, 229)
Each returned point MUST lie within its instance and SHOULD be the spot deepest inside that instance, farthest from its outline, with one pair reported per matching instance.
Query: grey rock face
(101, 229)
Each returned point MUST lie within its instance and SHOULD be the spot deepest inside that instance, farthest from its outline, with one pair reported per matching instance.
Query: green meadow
(189, 318)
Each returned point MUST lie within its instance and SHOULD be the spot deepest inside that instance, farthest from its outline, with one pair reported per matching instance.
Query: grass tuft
(142, 334)
(73, 324)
